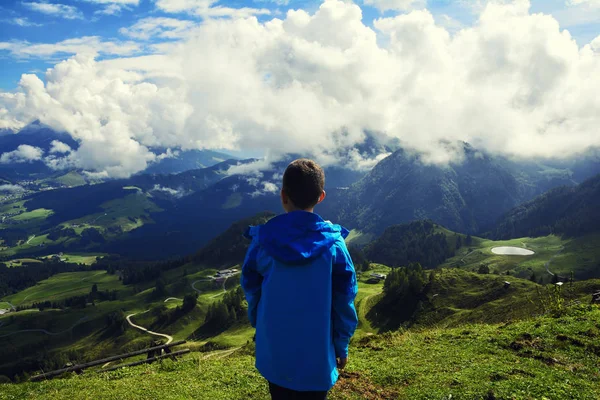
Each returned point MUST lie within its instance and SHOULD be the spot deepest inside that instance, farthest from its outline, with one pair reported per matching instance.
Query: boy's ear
(322, 197)
(284, 197)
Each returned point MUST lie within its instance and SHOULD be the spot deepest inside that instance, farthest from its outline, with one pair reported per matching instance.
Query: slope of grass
(580, 256)
(552, 358)
(40, 213)
(71, 178)
(61, 286)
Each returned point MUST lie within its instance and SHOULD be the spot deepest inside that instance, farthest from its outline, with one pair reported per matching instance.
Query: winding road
(30, 239)
(172, 298)
(128, 318)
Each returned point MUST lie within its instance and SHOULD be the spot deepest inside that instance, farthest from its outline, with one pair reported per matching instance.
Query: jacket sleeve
(251, 282)
(344, 289)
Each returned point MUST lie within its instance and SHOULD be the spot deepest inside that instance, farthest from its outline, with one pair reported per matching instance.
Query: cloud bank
(514, 83)
(24, 153)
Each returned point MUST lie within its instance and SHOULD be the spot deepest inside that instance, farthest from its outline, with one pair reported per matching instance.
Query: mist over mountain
(467, 196)
(39, 152)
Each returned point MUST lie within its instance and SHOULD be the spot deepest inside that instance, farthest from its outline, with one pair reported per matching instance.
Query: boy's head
(303, 185)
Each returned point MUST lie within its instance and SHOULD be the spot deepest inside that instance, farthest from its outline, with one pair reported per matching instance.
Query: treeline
(12, 237)
(570, 211)
(229, 248)
(133, 271)
(13, 280)
(404, 292)
(74, 301)
(231, 309)
(167, 317)
(415, 242)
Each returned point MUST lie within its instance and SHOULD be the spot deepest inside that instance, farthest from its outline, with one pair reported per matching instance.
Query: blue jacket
(300, 285)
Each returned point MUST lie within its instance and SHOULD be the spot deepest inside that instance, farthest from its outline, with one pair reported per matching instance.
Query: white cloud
(111, 9)
(265, 188)
(118, 2)
(588, 3)
(83, 45)
(11, 188)
(400, 5)
(59, 147)
(207, 9)
(23, 153)
(21, 21)
(114, 119)
(166, 28)
(178, 193)
(513, 83)
(57, 10)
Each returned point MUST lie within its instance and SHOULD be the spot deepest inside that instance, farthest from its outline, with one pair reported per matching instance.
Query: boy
(300, 285)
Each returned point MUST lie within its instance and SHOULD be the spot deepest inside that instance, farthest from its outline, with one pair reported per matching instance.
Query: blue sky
(26, 23)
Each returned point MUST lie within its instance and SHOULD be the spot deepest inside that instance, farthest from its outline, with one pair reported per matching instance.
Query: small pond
(512, 251)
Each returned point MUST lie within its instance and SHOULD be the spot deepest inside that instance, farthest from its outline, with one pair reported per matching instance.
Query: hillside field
(563, 256)
(540, 358)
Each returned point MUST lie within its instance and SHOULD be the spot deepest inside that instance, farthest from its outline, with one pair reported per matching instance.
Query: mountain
(568, 210)
(187, 160)
(34, 135)
(192, 221)
(468, 196)
(41, 137)
(229, 248)
(417, 242)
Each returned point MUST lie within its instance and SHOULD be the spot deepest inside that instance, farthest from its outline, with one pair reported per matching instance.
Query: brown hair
(303, 182)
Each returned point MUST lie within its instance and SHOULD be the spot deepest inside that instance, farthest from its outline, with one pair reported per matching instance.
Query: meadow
(562, 256)
(539, 358)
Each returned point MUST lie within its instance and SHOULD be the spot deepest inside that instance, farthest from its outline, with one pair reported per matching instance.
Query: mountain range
(154, 216)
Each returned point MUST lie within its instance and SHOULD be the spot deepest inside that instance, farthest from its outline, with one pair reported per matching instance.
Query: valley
(107, 267)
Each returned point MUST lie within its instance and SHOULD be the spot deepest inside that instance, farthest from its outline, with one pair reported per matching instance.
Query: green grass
(40, 213)
(358, 238)
(119, 212)
(552, 358)
(368, 294)
(82, 258)
(72, 178)
(66, 285)
(580, 256)
(20, 261)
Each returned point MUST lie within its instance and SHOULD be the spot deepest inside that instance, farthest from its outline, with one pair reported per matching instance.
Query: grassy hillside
(66, 285)
(553, 358)
(562, 256)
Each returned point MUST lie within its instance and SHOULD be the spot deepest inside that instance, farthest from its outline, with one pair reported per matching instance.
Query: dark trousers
(281, 393)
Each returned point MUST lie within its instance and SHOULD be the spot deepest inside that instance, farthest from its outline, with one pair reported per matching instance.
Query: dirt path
(220, 353)
(199, 280)
(168, 337)
(550, 261)
(172, 298)
(45, 331)
(223, 292)
(467, 255)
(362, 314)
(30, 239)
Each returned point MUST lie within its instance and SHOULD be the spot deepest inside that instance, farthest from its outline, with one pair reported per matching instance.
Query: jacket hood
(296, 237)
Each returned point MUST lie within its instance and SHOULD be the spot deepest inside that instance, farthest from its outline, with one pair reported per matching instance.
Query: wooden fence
(153, 354)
